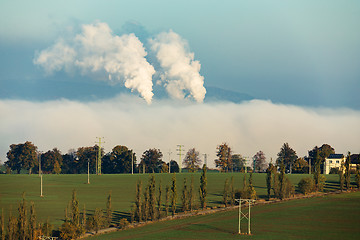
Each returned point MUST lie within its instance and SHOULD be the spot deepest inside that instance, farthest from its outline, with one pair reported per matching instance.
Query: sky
(72, 71)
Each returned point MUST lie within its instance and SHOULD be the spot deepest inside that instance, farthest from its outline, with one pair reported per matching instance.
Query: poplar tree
(75, 212)
(145, 205)
(2, 225)
(341, 177)
(12, 229)
(347, 171)
(32, 222)
(98, 219)
(282, 183)
(184, 197)
(203, 188)
(108, 211)
(167, 197)
(173, 195)
(191, 194)
(269, 172)
(251, 190)
(159, 201)
(232, 192)
(138, 212)
(22, 219)
(152, 197)
(226, 193)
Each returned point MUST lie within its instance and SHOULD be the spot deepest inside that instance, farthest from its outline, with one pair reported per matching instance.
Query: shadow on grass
(118, 215)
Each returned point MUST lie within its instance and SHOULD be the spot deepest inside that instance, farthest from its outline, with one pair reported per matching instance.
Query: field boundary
(212, 210)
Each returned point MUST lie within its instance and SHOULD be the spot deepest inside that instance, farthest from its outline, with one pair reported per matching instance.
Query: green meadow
(57, 190)
(335, 216)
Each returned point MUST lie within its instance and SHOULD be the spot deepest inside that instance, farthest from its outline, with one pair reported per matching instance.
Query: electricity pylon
(244, 215)
(98, 167)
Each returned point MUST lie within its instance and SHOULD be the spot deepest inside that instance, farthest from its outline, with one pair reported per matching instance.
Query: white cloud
(179, 69)
(126, 120)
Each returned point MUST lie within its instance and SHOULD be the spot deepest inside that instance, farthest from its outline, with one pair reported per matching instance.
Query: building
(334, 161)
(354, 161)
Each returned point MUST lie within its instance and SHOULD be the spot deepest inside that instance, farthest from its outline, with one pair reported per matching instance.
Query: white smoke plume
(96, 51)
(179, 69)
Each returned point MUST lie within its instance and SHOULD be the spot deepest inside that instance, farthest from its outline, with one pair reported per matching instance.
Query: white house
(333, 161)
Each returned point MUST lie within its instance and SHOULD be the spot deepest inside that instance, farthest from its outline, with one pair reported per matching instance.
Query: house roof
(335, 156)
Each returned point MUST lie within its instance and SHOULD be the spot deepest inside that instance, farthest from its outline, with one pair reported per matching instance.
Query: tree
(317, 170)
(2, 225)
(324, 151)
(167, 197)
(282, 181)
(341, 177)
(237, 162)
(173, 194)
(152, 160)
(226, 193)
(185, 197)
(269, 173)
(259, 161)
(22, 156)
(203, 188)
(192, 161)
(22, 219)
(159, 202)
(191, 194)
(138, 213)
(357, 176)
(119, 160)
(152, 197)
(300, 166)
(69, 164)
(12, 229)
(32, 222)
(51, 161)
(224, 157)
(85, 154)
(174, 166)
(108, 211)
(286, 156)
(306, 185)
(347, 171)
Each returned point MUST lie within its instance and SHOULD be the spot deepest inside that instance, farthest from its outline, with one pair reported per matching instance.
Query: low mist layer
(247, 127)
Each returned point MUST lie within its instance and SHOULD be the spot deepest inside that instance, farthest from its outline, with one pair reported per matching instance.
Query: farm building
(333, 161)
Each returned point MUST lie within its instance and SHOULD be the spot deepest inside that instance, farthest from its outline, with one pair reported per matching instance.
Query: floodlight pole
(132, 162)
(169, 152)
(180, 152)
(88, 182)
(41, 186)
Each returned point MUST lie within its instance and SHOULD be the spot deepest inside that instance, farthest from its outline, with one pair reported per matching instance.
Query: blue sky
(300, 58)
(296, 52)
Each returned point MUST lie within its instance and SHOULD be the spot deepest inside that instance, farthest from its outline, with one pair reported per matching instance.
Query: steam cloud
(180, 71)
(247, 127)
(97, 52)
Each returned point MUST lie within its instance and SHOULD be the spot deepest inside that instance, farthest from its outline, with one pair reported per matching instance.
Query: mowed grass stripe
(334, 216)
(57, 190)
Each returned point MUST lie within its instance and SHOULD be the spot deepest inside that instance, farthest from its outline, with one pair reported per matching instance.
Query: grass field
(58, 188)
(335, 216)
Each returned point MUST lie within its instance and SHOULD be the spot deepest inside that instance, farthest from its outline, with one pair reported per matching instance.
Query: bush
(306, 185)
(123, 223)
(334, 171)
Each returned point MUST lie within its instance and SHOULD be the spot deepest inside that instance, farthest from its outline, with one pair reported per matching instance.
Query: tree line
(121, 159)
